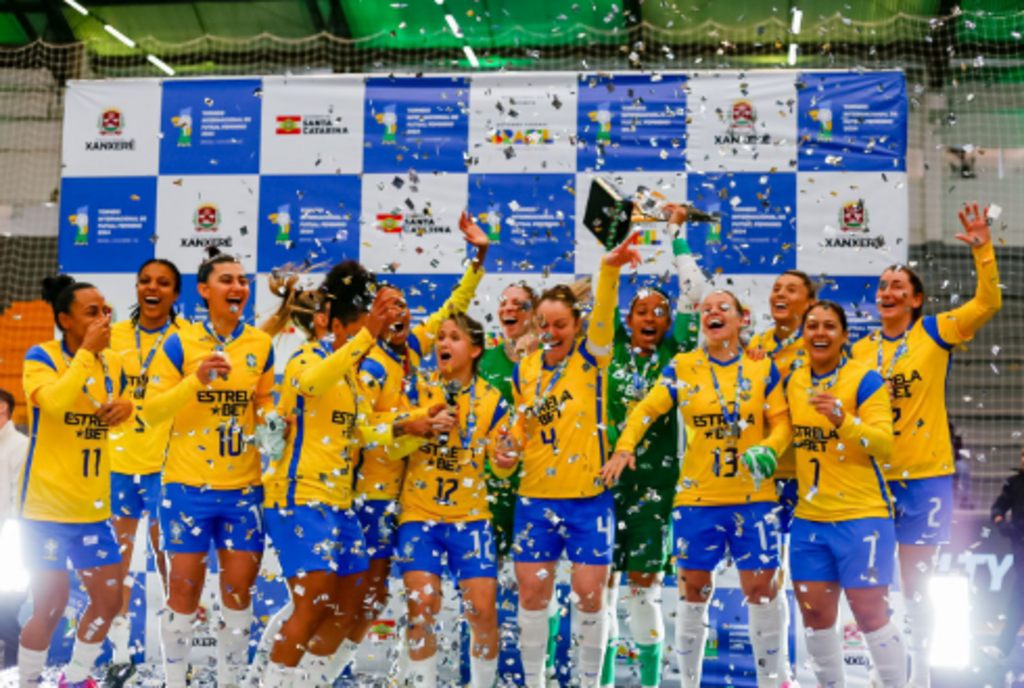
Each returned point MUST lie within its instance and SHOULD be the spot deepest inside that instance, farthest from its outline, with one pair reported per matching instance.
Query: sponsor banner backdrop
(632, 122)
(107, 221)
(111, 128)
(853, 223)
(855, 122)
(312, 126)
(523, 125)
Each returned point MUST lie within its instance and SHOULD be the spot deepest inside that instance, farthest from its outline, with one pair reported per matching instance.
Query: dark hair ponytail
(59, 292)
(136, 310)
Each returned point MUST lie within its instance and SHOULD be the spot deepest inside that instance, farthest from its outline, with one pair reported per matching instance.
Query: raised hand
(676, 213)
(97, 335)
(385, 309)
(828, 406)
(471, 231)
(624, 253)
(976, 230)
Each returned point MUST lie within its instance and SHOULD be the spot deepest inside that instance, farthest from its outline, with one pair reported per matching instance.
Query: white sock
(119, 636)
(30, 667)
(233, 645)
(764, 637)
(342, 658)
(826, 657)
(423, 672)
(919, 626)
(483, 673)
(646, 622)
(403, 665)
(278, 676)
(262, 657)
(312, 672)
(593, 630)
(176, 638)
(611, 603)
(83, 659)
(533, 644)
(889, 654)
(783, 607)
(691, 635)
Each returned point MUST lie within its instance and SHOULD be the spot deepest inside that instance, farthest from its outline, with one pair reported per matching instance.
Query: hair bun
(53, 286)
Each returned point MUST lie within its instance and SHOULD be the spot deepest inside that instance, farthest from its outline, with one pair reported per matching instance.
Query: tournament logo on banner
(312, 126)
(106, 221)
(531, 220)
(207, 211)
(308, 219)
(854, 122)
(655, 249)
(742, 121)
(410, 224)
(632, 122)
(416, 123)
(211, 127)
(523, 123)
(757, 233)
(111, 129)
(853, 223)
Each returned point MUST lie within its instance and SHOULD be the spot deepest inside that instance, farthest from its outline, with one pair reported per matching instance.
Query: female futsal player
(214, 379)
(736, 414)
(76, 396)
(912, 352)
(843, 537)
(563, 389)
(444, 508)
(137, 453)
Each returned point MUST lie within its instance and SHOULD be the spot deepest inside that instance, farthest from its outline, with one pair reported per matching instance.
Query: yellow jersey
(918, 374)
(838, 469)
(66, 475)
(560, 411)
(212, 424)
(389, 381)
(448, 483)
(789, 355)
(139, 449)
(723, 419)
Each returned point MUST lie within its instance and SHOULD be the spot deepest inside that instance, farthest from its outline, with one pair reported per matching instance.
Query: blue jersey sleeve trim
(375, 369)
(500, 411)
(174, 351)
(413, 342)
(773, 379)
(39, 355)
(587, 356)
(869, 384)
(270, 360)
(668, 378)
(931, 325)
(124, 383)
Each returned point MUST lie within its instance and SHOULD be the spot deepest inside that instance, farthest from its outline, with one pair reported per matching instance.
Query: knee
(761, 592)
(590, 597)
(870, 616)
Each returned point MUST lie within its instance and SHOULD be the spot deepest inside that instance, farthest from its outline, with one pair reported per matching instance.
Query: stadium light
(160, 64)
(119, 36)
(471, 56)
(13, 576)
(792, 53)
(798, 17)
(454, 25)
(951, 635)
(75, 6)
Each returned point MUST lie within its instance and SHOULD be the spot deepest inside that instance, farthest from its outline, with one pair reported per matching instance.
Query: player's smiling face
(226, 290)
(559, 328)
(454, 348)
(649, 320)
(515, 312)
(156, 291)
(790, 298)
(824, 337)
(396, 330)
(88, 306)
(896, 297)
(720, 318)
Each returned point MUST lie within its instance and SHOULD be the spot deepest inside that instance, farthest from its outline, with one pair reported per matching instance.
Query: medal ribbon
(731, 418)
(467, 438)
(779, 346)
(538, 400)
(901, 350)
(144, 366)
(640, 379)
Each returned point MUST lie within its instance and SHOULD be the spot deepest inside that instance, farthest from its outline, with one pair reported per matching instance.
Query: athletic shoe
(87, 683)
(790, 684)
(118, 675)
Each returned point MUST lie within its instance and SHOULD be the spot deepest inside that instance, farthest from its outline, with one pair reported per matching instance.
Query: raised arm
(961, 324)
(319, 377)
(691, 280)
(601, 328)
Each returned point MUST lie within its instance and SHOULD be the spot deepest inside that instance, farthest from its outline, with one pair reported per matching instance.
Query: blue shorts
(316, 538)
(192, 517)
(584, 528)
(377, 519)
(468, 548)
(788, 491)
(131, 496)
(703, 534)
(924, 510)
(858, 554)
(49, 546)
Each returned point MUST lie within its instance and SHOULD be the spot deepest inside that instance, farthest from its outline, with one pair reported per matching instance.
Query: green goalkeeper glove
(761, 462)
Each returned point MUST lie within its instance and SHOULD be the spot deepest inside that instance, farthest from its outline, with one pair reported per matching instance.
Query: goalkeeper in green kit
(644, 497)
